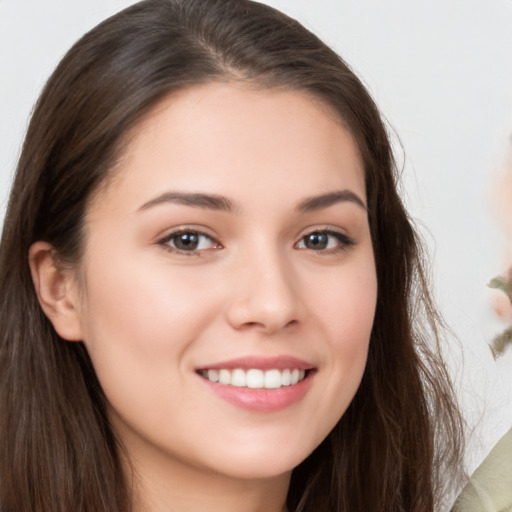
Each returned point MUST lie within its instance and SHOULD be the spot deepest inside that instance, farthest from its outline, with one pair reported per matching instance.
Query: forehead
(224, 137)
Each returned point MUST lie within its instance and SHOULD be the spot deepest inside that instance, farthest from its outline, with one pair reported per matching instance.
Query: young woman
(211, 295)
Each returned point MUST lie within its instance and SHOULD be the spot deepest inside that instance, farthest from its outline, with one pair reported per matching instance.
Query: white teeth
(213, 375)
(238, 378)
(273, 379)
(255, 378)
(224, 377)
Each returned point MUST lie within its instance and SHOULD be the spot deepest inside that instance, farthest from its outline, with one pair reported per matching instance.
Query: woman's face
(229, 258)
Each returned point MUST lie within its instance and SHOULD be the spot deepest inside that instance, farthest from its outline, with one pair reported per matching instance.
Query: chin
(263, 463)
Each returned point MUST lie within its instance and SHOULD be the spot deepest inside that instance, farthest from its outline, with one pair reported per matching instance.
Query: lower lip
(262, 400)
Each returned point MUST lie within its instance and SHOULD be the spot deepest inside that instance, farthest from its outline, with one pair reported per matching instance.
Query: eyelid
(164, 241)
(345, 241)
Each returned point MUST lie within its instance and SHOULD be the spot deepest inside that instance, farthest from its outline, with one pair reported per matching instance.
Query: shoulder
(490, 487)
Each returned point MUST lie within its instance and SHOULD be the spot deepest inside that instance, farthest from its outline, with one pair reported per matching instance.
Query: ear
(56, 290)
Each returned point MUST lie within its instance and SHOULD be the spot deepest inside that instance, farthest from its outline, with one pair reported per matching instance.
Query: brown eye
(327, 240)
(185, 241)
(189, 241)
(316, 241)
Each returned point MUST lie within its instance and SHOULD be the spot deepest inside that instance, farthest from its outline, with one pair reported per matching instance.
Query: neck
(162, 484)
(158, 496)
(193, 492)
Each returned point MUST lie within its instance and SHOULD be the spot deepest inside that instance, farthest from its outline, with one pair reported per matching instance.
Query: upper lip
(263, 363)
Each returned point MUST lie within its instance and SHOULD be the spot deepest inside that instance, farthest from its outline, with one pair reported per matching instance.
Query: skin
(150, 315)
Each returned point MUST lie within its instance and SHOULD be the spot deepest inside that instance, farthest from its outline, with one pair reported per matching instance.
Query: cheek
(139, 321)
(346, 314)
(348, 309)
(130, 302)
(138, 329)
(352, 325)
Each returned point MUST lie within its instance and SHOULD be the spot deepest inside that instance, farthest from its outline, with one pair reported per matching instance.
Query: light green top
(490, 487)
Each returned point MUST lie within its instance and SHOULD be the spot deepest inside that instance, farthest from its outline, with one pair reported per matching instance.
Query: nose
(265, 294)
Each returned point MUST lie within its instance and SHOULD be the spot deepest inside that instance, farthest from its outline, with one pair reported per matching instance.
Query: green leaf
(503, 340)
(503, 284)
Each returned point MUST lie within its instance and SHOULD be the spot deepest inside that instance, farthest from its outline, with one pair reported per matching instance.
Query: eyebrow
(325, 200)
(222, 203)
(196, 200)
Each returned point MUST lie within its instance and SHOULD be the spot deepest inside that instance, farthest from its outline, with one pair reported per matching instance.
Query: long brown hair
(58, 452)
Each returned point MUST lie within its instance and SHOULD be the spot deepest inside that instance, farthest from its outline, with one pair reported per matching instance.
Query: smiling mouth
(255, 378)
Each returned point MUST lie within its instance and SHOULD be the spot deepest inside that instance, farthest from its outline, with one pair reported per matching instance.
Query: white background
(441, 72)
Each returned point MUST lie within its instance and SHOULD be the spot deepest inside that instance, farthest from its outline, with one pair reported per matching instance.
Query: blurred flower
(503, 301)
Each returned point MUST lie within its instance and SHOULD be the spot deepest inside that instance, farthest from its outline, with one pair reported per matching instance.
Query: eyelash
(343, 242)
(166, 242)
